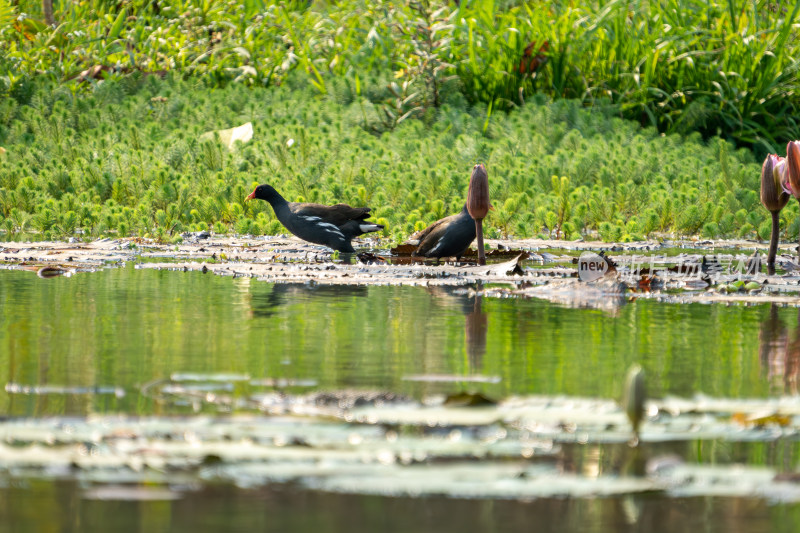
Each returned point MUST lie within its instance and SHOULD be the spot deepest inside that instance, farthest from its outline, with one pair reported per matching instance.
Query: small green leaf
(116, 28)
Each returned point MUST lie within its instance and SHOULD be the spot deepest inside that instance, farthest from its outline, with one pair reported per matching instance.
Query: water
(223, 508)
(126, 327)
(94, 342)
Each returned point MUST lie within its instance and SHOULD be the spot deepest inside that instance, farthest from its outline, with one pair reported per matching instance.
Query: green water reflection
(282, 509)
(127, 327)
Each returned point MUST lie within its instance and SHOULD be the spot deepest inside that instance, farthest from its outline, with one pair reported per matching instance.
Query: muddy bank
(678, 272)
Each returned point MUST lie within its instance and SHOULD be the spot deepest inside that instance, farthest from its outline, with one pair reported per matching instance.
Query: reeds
(719, 67)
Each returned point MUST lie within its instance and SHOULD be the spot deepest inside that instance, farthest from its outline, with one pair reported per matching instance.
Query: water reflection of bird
(476, 321)
(266, 304)
(780, 355)
(333, 226)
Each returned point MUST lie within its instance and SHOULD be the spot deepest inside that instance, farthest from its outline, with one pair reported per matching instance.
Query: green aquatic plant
(613, 179)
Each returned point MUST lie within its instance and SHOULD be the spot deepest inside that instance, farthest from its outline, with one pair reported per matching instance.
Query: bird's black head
(264, 192)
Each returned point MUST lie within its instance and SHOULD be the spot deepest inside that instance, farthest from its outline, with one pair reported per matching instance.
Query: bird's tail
(368, 228)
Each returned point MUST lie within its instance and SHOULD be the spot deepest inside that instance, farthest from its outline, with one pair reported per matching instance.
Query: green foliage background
(390, 104)
(127, 159)
(718, 67)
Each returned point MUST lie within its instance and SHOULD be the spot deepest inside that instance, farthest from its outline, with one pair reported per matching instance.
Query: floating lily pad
(130, 493)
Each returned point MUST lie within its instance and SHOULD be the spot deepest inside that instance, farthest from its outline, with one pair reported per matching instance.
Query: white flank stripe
(330, 228)
(369, 227)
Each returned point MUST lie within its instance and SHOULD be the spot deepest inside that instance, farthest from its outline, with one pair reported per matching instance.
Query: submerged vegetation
(127, 159)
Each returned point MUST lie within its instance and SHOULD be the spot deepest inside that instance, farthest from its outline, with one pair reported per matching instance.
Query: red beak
(250, 196)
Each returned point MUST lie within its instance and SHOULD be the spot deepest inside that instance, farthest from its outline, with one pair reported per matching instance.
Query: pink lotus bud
(793, 167)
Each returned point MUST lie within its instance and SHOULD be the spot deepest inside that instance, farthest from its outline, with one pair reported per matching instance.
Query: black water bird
(448, 237)
(329, 225)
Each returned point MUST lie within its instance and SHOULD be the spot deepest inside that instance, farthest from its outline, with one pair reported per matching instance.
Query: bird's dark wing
(334, 214)
(429, 237)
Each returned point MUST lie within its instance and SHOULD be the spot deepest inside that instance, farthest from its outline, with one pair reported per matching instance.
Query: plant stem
(773, 243)
(479, 231)
(47, 8)
(798, 236)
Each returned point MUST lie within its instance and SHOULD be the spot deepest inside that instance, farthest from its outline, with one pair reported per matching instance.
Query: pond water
(94, 343)
(58, 506)
(120, 329)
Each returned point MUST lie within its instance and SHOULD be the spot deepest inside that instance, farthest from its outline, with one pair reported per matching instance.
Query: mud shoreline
(518, 268)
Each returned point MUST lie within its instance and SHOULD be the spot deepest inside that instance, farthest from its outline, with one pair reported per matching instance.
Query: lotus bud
(773, 190)
(478, 204)
(793, 179)
(793, 167)
(633, 398)
(478, 194)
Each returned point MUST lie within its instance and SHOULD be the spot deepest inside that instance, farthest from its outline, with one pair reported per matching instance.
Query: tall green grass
(717, 67)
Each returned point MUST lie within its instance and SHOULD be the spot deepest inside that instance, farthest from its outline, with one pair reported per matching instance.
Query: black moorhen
(330, 225)
(448, 237)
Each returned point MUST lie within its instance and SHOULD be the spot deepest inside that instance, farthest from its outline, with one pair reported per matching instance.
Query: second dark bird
(448, 237)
